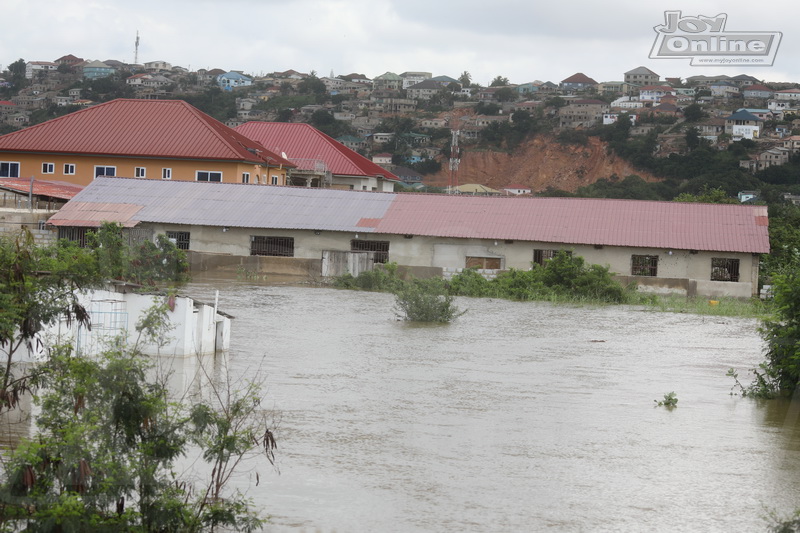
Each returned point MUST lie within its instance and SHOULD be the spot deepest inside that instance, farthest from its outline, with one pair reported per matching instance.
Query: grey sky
(521, 40)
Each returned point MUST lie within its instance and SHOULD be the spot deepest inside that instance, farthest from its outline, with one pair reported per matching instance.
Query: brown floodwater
(514, 417)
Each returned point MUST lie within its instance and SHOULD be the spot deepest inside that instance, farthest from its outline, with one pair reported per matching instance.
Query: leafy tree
(17, 71)
(693, 113)
(465, 79)
(107, 440)
(506, 94)
(487, 108)
(692, 138)
(40, 284)
(499, 81)
(707, 195)
(324, 121)
(311, 84)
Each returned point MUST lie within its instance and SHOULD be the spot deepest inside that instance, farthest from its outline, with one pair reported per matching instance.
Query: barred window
(724, 269)
(483, 263)
(644, 265)
(274, 246)
(74, 234)
(381, 249)
(180, 238)
(541, 256)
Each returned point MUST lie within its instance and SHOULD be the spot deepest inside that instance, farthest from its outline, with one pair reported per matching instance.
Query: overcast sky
(521, 40)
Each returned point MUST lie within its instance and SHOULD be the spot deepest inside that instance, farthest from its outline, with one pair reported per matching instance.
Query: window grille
(644, 265)
(723, 269)
(381, 249)
(272, 246)
(181, 239)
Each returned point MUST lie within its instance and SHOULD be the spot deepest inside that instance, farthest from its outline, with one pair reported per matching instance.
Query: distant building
(641, 76)
(97, 69)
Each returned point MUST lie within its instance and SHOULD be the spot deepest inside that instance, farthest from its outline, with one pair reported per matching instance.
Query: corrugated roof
(225, 204)
(140, 128)
(302, 141)
(53, 189)
(631, 223)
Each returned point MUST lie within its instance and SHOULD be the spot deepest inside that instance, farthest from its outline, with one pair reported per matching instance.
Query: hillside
(540, 163)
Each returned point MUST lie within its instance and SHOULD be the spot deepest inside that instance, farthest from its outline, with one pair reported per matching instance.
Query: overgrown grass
(674, 303)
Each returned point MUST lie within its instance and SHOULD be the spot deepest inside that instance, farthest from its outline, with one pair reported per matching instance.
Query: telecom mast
(136, 50)
(454, 161)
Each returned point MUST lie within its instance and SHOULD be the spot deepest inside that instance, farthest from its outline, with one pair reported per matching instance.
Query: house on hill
(577, 82)
(687, 248)
(743, 125)
(155, 139)
(641, 76)
(319, 160)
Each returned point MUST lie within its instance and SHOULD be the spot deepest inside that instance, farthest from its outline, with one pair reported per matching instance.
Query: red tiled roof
(140, 128)
(302, 141)
(53, 189)
(580, 77)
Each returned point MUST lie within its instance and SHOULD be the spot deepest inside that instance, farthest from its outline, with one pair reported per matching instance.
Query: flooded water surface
(515, 417)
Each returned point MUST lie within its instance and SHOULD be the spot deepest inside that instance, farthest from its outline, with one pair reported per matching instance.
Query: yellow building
(152, 139)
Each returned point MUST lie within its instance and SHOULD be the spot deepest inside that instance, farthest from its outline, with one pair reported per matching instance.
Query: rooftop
(629, 223)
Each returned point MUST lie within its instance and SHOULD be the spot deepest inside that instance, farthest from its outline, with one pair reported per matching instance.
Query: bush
(382, 278)
(426, 301)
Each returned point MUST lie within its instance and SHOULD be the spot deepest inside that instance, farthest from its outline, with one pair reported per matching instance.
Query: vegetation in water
(425, 301)
(565, 277)
(670, 400)
(779, 374)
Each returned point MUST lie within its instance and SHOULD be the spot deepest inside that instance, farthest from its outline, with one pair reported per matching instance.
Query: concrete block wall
(488, 273)
(13, 220)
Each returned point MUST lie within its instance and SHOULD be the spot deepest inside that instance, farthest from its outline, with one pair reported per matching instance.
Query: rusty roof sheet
(302, 141)
(630, 223)
(52, 189)
(140, 128)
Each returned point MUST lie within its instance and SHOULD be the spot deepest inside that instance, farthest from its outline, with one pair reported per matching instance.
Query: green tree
(692, 138)
(465, 79)
(707, 195)
(506, 94)
(17, 71)
(107, 440)
(693, 113)
(499, 81)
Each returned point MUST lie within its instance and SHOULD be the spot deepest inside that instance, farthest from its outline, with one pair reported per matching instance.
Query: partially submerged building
(689, 248)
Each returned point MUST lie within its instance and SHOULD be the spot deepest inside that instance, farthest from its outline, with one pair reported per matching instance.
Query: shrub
(426, 301)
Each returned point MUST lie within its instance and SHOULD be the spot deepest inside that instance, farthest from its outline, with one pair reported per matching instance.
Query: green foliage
(781, 332)
(670, 401)
(707, 195)
(107, 441)
(380, 279)
(571, 136)
(563, 277)
(693, 113)
(499, 81)
(425, 301)
(214, 102)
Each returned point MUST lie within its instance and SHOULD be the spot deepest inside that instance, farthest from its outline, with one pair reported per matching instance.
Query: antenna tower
(136, 50)
(454, 161)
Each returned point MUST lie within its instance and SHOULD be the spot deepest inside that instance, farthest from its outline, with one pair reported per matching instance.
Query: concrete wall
(679, 271)
(12, 221)
(194, 329)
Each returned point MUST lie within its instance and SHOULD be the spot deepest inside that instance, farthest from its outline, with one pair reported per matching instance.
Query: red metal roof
(668, 225)
(302, 141)
(588, 221)
(140, 128)
(579, 77)
(53, 189)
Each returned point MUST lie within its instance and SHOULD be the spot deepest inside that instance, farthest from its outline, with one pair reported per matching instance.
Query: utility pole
(136, 50)
(454, 161)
